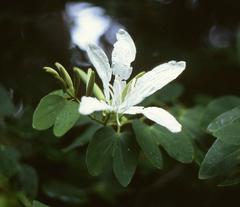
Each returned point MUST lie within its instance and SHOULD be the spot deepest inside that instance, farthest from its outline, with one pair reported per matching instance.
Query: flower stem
(118, 129)
(118, 124)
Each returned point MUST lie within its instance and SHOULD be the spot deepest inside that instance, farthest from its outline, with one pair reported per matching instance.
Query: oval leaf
(148, 144)
(177, 145)
(229, 134)
(224, 154)
(224, 119)
(47, 110)
(125, 159)
(66, 118)
(219, 159)
(100, 150)
(217, 107)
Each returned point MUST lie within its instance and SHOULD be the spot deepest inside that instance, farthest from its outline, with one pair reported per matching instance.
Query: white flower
(122, 98)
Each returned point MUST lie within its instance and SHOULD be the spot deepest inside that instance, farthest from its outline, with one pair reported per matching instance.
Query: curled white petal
(124, 53)
(152, 81)
(101, 64)
(162, 117)
(88, 105)
(158, 115)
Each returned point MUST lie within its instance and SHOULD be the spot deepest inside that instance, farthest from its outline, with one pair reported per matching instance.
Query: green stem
(118, 128)
(118, 124)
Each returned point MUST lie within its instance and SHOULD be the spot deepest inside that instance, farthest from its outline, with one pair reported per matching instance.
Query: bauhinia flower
(121, 97)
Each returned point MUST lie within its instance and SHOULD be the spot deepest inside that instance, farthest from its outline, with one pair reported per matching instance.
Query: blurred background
(33, 34)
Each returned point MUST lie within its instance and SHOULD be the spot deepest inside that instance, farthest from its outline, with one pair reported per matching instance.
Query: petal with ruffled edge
(152, 81)
(158, 115)
(102, 66)
(124, 52)
(88, 105)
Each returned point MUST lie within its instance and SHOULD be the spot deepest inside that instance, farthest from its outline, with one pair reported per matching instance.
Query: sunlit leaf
(47, 110)
(66, 118)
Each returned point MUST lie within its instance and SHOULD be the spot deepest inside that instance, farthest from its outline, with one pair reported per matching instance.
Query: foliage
(120, 152)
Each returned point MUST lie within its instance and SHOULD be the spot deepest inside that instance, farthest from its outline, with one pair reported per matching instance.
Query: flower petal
(124, 52)
(162, 117)
(134, 110)
(158, 115)
(152, 81)
(118, 86)
(101, 64)
(89, 105)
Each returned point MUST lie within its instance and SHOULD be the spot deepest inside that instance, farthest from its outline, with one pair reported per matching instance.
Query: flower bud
(90, 82)
(66, 77)
(83, 76)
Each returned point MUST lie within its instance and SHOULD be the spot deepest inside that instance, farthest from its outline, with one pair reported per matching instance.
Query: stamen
(118, 121)
(111, 91)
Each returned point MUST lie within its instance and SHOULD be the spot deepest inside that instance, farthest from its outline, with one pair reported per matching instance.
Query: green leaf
(66, 118)
(224, 119)
(148, 144)
(65, 192)
(125, 159)
(229, 182)
(38, 204)
(219, 159)
(59, 93)
(47, 110)
(170, 92)
(83, 76)
(230, 134)
(100, 150)
(106, 146)
(9, 165)
(217, 107)
(224, 154)
(177, 145)
(28, 180)
(6, 106)
(84, 138)
(191, 122)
